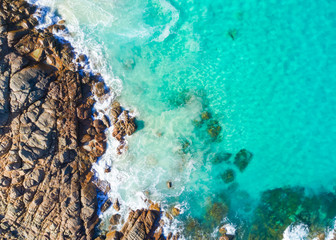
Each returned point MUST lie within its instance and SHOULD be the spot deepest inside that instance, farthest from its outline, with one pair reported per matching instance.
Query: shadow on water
(140, 124)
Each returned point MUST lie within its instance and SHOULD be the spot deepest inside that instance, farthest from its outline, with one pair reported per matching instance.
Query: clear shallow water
(263, 71)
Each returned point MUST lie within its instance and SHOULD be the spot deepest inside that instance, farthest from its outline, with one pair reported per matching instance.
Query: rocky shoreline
(49, 137)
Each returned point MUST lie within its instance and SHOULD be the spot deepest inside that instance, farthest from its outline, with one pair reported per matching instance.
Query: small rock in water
(232, 33)
(214, 129)
(114, 220)
(115, 111)
(106, 205)
(197, 123)
(228, 176)
(176, 211)
(205, 116)
(242, 159)
(169, 184)
(155, 206)
(116, 205)
(82, 58)
(107, 170)
(216, 212)
(221, 157)
(222, 230)
(169, 216)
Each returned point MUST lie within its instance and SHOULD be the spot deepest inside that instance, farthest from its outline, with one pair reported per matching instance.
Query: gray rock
(16, 62)
(4, 181)
(5, 144)
(14, 36)
(28, 86)
(34, 178)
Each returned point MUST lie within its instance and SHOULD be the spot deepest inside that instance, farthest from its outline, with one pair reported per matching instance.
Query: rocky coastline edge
(49, 137)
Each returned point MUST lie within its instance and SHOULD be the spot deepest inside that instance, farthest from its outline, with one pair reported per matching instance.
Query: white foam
(175, 15)
(296, 232)
(82, 43)
(230, 229)
(331, 232)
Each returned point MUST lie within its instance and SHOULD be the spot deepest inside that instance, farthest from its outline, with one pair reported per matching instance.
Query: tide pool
(207, 79)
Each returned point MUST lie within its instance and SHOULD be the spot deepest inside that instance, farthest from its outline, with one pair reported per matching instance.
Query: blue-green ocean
(235, 104)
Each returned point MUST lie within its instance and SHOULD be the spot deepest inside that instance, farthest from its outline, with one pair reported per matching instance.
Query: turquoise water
(260, 73)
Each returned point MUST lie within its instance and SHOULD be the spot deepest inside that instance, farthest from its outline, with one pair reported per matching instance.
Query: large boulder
(28, 86)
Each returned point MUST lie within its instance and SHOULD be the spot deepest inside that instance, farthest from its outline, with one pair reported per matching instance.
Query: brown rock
(169, 184)
(5, 144)
(46, 187)
(114, 235)
(99, 89)
(106, 205)
(130, 127)
(106, 121)
(176, 211)
(99, 125)
(116, 205)
(86, 138)
(115, 111)
(158, 235)
(14, 36)
(222, 230)
(89, 177)
(114, 220)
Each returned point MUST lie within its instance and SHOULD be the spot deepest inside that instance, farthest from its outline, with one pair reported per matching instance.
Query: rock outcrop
(140, 225)
(48, 138)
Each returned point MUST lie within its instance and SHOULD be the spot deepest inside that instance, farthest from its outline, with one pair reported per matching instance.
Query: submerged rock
(205, 115)
(242, 159)
(283, 206)
(216, 212)
(232, 33)
(221, 157)
(214, 129)
(228, 176)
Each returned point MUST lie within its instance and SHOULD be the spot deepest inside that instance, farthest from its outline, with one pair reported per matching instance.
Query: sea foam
(296, 232)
